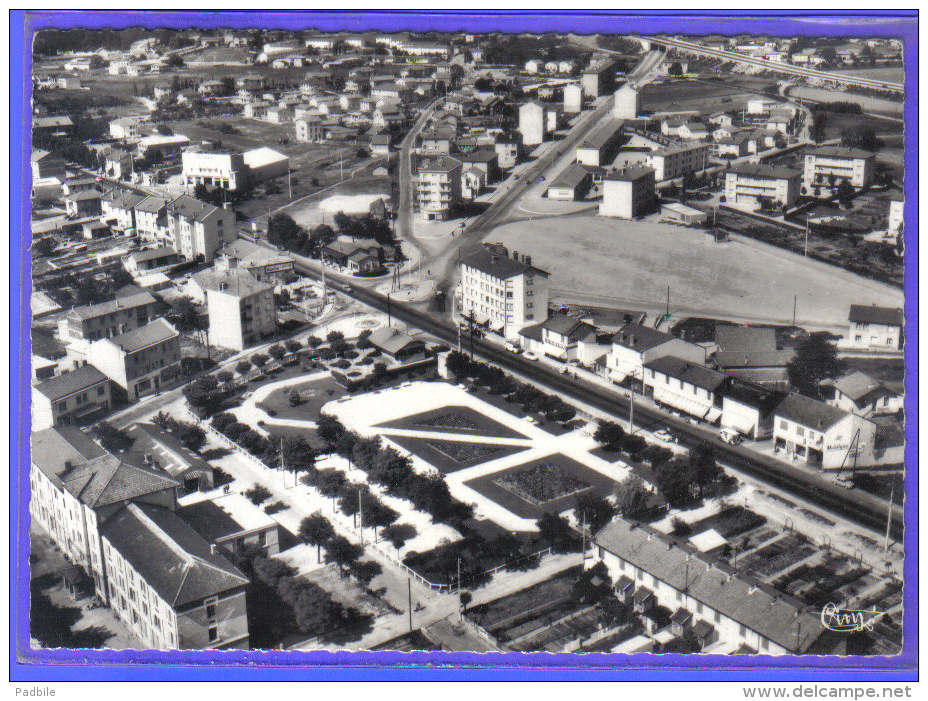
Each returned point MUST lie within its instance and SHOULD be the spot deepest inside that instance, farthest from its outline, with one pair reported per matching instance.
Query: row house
(687, 386)
(80, 396)
(129, 310)
(634, 345)
(119, 209)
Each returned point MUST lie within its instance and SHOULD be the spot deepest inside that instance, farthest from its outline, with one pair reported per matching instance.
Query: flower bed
(542, 483)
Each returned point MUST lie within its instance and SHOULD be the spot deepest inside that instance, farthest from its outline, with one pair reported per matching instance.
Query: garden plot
(454, 419)
(450, 456)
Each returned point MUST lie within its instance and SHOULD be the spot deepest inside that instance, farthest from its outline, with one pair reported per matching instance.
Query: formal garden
(449, 456)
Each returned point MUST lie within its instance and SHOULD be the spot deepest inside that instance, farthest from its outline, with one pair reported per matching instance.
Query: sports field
(633, 263)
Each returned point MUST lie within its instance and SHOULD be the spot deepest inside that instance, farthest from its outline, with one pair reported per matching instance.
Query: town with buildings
(466, 342)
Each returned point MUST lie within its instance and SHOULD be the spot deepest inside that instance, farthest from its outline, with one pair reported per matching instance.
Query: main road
(860, 507)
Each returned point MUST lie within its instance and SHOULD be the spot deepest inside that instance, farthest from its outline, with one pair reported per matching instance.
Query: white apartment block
(628, 193)
(673, 161)
(852, 164)
(198, 230)
(139, 362)
(533, 123)
(241, 309)
(745, 183)
(438, 188)
(503, 291)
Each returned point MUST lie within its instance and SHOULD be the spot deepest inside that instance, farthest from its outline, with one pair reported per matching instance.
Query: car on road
(512, 347)
(575, 363)
(729, 436)
(843, 482)
(528, 355)
(666, 435)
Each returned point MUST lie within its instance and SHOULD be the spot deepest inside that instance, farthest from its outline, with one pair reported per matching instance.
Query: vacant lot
(698, 94)
(633, 264)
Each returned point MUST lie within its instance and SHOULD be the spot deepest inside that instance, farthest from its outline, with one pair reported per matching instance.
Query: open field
(895, 74)
(699, 94)
(633, 263)
(870, 104)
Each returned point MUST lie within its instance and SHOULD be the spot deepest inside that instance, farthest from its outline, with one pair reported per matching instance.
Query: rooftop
(759, 170)
(640, 338)
(169, 555)
(498, 265)
(92, 311)
(260, 157)
(166, 450)
(754, 395)
(68, 383)
(151, 204)
(235, 281)
(745, 338)
(876, 315)
(390, 340)
(190, 208)
(571, 176)
(810, 413)
(444, 164)
(154, 332)
(52, 448)
(840, 152)
(688, 372)
(858, 385)
(631, 174)
(107, 479)
(226, 516)
(153, 254)
(775, 616)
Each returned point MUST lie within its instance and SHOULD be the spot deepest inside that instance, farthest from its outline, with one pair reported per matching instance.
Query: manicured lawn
(730, 522)
(489, 486)
(454, 419)
(313, 395)
(451, 456)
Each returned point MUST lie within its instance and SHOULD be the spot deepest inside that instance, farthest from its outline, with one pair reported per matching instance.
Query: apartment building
(533, 123)
(241, 309)
(506, 293)
(76, 486)
(734, 610)
(598, 78)
(197, 229)
(507, 148)
(671, 162)
(309, 129)
(151, 220)
(139, 362)
(438, 190)
(599, 148)
(748, 182)
(875, 328)
(628, 193)
(852, 164)
(75, 397)
(627, 103)
(168, 585)
(687, 386)
(126, 312)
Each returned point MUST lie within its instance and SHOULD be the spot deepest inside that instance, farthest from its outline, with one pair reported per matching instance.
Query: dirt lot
(633, 263)
(698, 94)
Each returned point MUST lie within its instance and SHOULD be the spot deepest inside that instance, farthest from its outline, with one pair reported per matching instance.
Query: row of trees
(385, 466)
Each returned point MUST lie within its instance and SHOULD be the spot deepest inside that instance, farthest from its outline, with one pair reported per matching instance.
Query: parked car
(528, 355)
(843, 482)
(574, 363)
(729, 436)
(666, 435)
(512, 347)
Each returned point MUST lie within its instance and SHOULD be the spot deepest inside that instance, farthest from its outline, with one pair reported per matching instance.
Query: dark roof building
(68, 383)
(809, 412)
(640, 338)
(690, 373)
(861, 313)
(499, 265)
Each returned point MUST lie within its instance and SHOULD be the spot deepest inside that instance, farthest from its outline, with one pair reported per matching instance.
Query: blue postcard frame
(64, 665)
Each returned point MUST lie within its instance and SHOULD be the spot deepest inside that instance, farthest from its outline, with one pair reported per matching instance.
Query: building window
(698, 607)
(213, 634)
(800, 431)
(783, 425)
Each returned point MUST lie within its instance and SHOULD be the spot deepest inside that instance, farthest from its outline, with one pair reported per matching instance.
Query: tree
(243, 367)
(676, 68)
(458, 363)
(860, 137)
(258, 494)
(187, 315)
(259, 360)
(593, 510)
(277, 352)
(329, 429)
(298, 455)
(316, 530)
(292, 345)
(706, 470)
(342, 552)
(365, 571)
(845, 194)
(112, 438)
(293, 399)
(610, 435)
(44, 246)
(557, 531)
(465, 597)
(816, 359)
(817, 130)
(330, 482)
(175, 61)
(313, 342)
(675, 479)
(398, 534)
(632, 496)
(228, 86)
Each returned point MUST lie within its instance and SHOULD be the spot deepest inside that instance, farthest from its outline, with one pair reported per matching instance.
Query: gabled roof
(444, 164)
(92, 311)
(688, 372)
(754, 395)
(225, 516)
(640, 338)
(631, 174)
(190, 208)
(70, 382)
(840, 152)
(170, 556)
(108, 480)
(151, 204)
(565, 325)
(571, 177)
(759, 170)
(775, 616)
(876, 315)
(745, 338)
(155, 332)
(810, 413)
(858, 385)
(235, 281)
(391, 340)
(52, 448)
(754, 359)
(169, 453)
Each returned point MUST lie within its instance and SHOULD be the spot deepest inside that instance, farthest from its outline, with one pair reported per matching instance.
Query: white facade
(240, 315)
(573, 98)
(626, 103)
(225, 170)
(438, 189)
(845, 164)
(672, 162)
(532, 124)
(628, 196)
(746, 184)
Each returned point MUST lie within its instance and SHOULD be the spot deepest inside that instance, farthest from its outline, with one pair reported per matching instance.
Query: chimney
(515, 255)
(68, 466)
(213, 549)
(528, 260)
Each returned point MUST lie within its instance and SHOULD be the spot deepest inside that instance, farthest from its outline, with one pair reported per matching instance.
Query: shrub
(258, 494)
(275, 507)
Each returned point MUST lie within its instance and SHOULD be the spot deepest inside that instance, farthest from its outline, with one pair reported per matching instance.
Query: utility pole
(289, 187)
(667, 311)
(889, 516)
(631, 412)
(360, 516)
(389, 312)
(409, 589)
(805, 247)
(795, 301)
(459, 574)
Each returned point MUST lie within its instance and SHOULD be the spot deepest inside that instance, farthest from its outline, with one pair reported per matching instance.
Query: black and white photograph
(468, 342)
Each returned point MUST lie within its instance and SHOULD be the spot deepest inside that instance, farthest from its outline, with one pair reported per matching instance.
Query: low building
(860, 394)
(748, 408)
(168, 586)
(399, 346)
(381, 144)
(507, 147)
(628, 193)
(678, 212)
(358, 257)
(854, 165)
(265, 264)
(875, 328)
(822, 435)
(748, 183)
(737, 608)
(80, 396)
(45, 165)
(265, 164)
(164, 451)
(686, 386)
(572, 183)
(310, 129)
(86, 203)
(634, 345)
(139, 362)
(232, 523)
(142, 262)
(224, 170)
(560, 336)
(750, 353)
